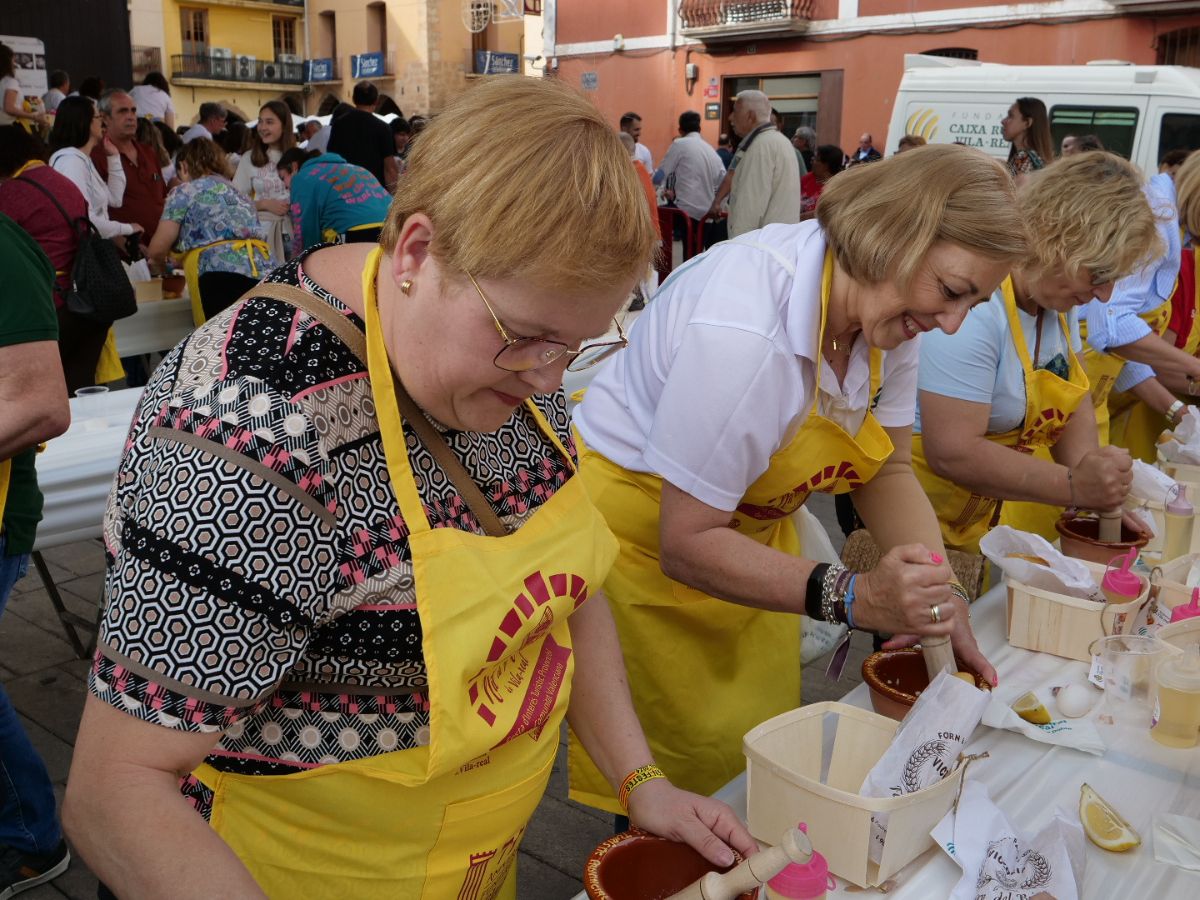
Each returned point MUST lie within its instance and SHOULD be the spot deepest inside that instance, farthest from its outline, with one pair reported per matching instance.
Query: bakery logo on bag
(1012, 871)
(525, 657)
(928, 764)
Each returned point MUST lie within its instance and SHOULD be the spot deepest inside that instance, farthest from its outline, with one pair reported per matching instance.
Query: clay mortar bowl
(895, 677)
(173, 285)
(635, 865)
(1080, 538)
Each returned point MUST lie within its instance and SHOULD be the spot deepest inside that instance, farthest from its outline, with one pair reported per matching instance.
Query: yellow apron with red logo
(965, 516)
(191, 268)
(1133, 424)
(444, 820)
(704, 671)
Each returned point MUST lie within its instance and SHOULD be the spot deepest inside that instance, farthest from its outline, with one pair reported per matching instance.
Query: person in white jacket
(78, 128)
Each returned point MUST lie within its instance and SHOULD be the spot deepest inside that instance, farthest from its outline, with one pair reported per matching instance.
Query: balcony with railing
(714, 21)
(242, 69)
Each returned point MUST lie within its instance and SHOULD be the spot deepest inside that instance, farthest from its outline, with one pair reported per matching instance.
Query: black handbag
(100, 290)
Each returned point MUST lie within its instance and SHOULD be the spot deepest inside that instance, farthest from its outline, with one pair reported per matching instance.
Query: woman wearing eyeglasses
(355, 579)
(777, 364)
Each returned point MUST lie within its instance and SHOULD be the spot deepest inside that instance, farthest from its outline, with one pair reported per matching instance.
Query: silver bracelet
(829, 594)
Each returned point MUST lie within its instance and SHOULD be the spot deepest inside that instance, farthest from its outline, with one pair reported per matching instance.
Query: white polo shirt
(720, 371)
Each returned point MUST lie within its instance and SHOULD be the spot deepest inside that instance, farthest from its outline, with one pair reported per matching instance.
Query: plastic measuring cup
(1128, 663)
(1175, 721)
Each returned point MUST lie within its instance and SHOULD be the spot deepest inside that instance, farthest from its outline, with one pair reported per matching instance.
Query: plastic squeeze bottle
(1121, 585)
(809, 881)
(1179, 613)
(1180, 516)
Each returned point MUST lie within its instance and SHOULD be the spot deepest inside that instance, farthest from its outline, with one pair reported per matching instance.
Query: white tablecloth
(1027, 780)
(157, 325)
(77, 468)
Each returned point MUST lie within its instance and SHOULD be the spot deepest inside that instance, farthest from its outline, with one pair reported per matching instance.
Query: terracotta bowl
(635, 865)
(1080, 538)
(895, 677)
(173, 285)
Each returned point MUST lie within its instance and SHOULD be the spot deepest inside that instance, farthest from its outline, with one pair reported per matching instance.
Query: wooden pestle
(939, 656)
(794, 847)
(1110, 526)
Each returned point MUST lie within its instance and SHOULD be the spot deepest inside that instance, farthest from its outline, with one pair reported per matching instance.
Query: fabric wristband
(636, 778)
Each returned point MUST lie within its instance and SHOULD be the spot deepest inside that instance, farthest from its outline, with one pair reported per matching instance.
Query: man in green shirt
(33, 409)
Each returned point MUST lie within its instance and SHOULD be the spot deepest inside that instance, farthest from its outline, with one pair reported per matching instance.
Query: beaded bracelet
(636, 778)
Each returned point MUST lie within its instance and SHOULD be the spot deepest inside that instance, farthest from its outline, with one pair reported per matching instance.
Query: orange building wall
(591, 21)
(651, 83)
(894, 7)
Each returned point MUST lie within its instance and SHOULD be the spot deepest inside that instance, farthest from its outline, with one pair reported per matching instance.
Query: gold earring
(406, 286)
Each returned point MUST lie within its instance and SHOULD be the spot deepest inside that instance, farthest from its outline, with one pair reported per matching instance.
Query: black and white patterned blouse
(259, 581)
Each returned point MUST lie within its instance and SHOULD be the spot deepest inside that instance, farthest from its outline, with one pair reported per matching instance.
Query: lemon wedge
(1102, 825)
(1031, 709)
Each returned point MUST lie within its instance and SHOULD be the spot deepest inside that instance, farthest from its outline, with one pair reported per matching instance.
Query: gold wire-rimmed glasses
(523, 354)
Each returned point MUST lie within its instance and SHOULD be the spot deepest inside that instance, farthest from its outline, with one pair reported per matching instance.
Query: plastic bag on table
(1150, 483)
(1080, 733)
(1031, 560)
(926, 747)
(1184, 443)
(137, 271)
(998, 863)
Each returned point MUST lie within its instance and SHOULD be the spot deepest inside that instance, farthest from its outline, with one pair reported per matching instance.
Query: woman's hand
(962, 639)
(898, 595)
(707, 825)
(110, 148)
(275, 207)
(1102, 478)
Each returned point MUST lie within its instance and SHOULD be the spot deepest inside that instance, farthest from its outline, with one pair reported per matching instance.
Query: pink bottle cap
(802, 882)
(1121, 581)
(1179, 613)
(1179, 505)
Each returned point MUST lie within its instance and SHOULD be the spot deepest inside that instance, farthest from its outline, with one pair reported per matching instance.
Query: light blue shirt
(979, 363)
(1118, 322)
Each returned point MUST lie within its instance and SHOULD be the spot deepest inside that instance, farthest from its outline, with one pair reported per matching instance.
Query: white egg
(1075, 700)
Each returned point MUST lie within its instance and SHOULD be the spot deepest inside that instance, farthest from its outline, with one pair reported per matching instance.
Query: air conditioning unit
(271, 71)
(246, 68)
(287, 58)
(221, 62)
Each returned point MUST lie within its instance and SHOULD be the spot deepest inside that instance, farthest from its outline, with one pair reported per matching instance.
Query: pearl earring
(406, 286)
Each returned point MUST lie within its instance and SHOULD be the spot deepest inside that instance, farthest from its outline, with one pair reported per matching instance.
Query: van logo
(924, 122)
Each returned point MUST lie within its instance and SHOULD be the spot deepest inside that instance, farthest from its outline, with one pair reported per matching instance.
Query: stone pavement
(47, 686)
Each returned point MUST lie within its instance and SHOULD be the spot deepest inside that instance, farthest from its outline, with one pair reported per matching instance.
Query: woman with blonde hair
(1027, 127)
(215, 228)
(355, 576)
(1011, 382)
(774, 365)
(257, 175)
(1185, 302)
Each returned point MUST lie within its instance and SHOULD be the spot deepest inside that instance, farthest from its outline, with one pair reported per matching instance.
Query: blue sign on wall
(489, 63)
(367, 65)
(320, 70)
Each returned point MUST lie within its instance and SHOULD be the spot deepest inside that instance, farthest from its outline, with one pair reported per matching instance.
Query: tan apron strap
(433, 440)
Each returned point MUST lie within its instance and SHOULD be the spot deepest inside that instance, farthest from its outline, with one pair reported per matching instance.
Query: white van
(1140, 112)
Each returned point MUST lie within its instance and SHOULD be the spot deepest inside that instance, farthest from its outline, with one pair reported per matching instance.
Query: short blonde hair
(911, 141)
(555, 202)
(1088, 213)
(1187, 192)
(881, 219)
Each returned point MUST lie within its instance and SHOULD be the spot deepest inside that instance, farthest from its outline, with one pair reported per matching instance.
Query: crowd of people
(457, 565)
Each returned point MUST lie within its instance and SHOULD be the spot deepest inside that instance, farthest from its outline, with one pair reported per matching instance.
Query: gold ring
(935, 613)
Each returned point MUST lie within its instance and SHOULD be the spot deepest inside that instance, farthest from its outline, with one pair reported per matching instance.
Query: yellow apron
(1134, 425)
(704, 671)
(191, 268)
(109, 366)
(965, 516)
(444, 820)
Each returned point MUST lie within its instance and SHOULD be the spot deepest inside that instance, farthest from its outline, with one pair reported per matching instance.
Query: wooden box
(146, 291)
(809, 764)
(1066, 626)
